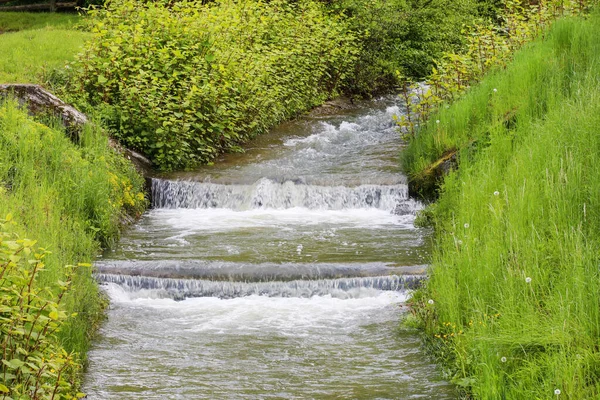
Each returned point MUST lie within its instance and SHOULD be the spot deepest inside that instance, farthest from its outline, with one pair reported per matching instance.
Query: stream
(280, 273)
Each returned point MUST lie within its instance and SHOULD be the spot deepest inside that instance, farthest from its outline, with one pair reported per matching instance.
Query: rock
(332, 107)
(39, 101)
(402, 209)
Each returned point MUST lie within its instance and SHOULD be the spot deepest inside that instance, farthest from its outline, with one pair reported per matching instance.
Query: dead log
(41, 102)
(37, 7)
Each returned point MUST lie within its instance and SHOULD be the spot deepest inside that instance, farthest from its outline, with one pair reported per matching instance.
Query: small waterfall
(267, 193)
(250, 272)
(184, 288)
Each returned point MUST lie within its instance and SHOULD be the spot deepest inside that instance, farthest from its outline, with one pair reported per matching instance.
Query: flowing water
(278, 273)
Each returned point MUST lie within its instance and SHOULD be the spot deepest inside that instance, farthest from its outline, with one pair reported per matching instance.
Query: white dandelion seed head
(437, 121)
(459, 242)
(495, 90)
(496, 193)
(503, 359)
(557, 391)
(467, 226)
(528, 279)
(430, 301)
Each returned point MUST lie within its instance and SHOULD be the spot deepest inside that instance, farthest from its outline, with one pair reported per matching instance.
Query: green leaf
(14, 363)
(53, 315)
(3, 389)
(102, 79)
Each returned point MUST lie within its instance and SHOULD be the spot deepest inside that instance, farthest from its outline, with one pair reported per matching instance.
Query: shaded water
(278, 273)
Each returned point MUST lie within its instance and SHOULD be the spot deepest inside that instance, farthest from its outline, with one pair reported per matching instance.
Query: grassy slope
(515, 281)
(30, 56)
(44, 42)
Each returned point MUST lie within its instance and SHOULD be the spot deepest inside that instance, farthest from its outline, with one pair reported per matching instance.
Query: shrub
(189, 81)
(34, 364)
(400, 35)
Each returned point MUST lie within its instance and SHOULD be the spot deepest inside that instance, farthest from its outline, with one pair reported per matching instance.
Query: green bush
(189, 81)
(401, 35)
(34, 365)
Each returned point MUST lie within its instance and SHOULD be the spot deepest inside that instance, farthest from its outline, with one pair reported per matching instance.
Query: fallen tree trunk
(36, 7)
(39, 101)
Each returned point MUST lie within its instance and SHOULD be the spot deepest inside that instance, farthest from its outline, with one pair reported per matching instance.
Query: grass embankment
(512, 305)
(43, 43)
(69, 198)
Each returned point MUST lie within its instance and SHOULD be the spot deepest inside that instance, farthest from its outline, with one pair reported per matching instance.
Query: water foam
(249, 313)
(187, 221)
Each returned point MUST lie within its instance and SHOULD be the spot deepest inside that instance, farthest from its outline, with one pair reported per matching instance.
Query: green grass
(18, 21)
(31, 56)
(70, 198)
(514, 283)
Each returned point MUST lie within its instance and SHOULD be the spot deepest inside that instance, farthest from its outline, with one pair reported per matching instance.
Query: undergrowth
(512, 306)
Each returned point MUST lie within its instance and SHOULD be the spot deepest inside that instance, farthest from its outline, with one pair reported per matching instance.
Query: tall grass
(70, 198)
(512, 306)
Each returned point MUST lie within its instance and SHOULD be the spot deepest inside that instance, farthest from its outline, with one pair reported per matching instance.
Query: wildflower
(496, 193)
(557, 391)
(430, 301)
(528, 280)
(495, 90)
(437, 121)
(503, 359)
(459, 242)
(466, 226)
